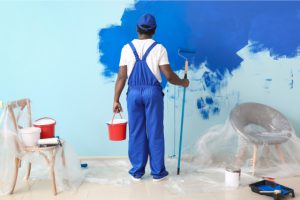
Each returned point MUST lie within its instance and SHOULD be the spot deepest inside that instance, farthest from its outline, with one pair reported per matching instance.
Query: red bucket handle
(45, 118)
(112, 120)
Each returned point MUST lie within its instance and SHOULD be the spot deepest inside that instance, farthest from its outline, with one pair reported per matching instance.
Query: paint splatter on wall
(216, 30)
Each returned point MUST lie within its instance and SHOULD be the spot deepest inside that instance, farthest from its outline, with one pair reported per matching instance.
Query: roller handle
(186, 68)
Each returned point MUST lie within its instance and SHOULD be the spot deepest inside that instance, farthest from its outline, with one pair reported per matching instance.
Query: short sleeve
(123, 60)
(163, 60)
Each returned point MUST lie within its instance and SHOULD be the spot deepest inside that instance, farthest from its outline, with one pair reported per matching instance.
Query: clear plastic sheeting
(68, 175)
(203, 181)
(266, 146)
(108, 171)
(257, 139)
(9, 149)
(260, 124)
(192, 179)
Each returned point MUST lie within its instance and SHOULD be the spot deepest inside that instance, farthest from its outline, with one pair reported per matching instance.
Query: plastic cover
(68, 177)
(251, 128)
(228, 145)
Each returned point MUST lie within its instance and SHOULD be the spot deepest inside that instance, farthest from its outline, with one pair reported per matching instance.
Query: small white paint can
(30, 135)
(232, 177)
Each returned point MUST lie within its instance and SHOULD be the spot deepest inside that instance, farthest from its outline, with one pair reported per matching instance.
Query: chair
(48, 153)
(274, 129)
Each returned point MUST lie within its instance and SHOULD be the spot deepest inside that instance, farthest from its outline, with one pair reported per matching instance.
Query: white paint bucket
(30, 135)
(232, 177)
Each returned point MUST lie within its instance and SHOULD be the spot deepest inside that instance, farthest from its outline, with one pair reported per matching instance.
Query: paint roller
(49, 142)
(183, 53)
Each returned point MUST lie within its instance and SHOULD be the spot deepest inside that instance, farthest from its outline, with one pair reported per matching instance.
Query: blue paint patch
(292, 84)
(111, 43)
(276, 28)
(207, 107)
(216, 110)
(217, 30)
(205, 114)
(200, 103)
(209, 100)
(212, 81)
(267, 84)
(292, 80)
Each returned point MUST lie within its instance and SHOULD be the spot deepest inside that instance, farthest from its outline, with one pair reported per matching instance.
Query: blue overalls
(145, 117)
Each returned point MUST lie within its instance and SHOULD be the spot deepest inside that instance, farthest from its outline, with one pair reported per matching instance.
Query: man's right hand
(185, 83)
(117, 107)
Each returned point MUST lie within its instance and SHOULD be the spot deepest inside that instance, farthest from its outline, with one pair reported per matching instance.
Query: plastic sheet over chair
(68, 175)
(252, 129)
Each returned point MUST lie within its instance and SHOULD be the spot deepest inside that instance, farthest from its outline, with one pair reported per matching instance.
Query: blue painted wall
(65, 55)
(216, 30)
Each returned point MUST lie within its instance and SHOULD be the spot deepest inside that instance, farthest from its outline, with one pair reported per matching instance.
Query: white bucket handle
(112, 120)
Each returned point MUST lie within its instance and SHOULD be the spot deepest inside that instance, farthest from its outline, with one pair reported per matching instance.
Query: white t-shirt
(157, 56)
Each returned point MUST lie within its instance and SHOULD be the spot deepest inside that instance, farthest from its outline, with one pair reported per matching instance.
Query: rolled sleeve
(163, 60)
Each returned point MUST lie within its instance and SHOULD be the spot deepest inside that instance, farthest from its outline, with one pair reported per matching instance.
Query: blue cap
(147, 22)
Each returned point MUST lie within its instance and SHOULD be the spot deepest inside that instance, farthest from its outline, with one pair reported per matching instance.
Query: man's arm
(120, 83)
(172, 77)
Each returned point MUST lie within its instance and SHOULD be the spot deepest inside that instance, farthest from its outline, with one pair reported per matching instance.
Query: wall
(64, 56)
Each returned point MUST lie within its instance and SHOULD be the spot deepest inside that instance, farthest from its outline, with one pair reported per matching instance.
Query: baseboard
(183, 157)
(101, 157)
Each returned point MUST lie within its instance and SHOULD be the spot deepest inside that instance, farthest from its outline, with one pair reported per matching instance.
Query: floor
(145, 190)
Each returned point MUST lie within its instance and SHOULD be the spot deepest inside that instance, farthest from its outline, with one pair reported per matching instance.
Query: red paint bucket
(117, 129)
(47, 125)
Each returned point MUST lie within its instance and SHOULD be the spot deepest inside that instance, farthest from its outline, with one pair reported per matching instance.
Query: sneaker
(136, 179)
(160, 179)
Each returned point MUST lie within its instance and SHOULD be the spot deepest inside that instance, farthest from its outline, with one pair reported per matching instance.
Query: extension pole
(182, 117)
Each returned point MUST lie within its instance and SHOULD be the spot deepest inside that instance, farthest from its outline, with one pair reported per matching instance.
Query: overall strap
(134, 51)
(148, 50)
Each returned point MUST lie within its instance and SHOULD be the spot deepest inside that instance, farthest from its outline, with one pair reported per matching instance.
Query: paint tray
(272, 189)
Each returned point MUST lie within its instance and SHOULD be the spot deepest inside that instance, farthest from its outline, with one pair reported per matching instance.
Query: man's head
(146, 25)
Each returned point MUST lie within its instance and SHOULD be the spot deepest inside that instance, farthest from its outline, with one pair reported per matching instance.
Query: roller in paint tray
(49, 142)
(272, 189)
